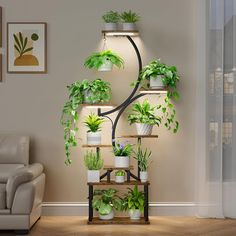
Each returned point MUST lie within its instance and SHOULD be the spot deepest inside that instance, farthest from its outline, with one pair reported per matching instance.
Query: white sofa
(21, 185)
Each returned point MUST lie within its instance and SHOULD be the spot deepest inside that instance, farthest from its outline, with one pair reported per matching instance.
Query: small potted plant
(129, 19)
(111, 19)
(104, 61)
(93, 122)
(144, 117)
(143, 158)
(122, 153)
(94, 163)
(120, 176)
(160, 75)
(134, 202)
(96, 91)
(105, 201)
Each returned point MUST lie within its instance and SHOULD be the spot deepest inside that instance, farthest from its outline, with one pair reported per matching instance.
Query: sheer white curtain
(216, 121)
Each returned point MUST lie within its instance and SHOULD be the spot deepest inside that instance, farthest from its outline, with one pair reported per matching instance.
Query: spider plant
(93, 122)
(129, 17)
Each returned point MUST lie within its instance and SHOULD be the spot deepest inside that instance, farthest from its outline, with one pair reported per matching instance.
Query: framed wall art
(0, 44)
(26, 47)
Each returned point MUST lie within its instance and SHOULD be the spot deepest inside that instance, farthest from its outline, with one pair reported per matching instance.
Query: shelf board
(120, 33)
(153, 91)
(97, 146)
(117, 168)
(118, 220)
(139, 136)
(97, 105)
(112, 182)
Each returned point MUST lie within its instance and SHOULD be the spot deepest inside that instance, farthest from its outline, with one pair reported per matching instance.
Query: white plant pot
(110, 216)
(144, 129)
(120, 179)
(107, 66)
(134, 214)
(93, 138)
(121, 162)
(143, 176)
(93, 176)
(110, 26)
(129, 26)
(156, 82)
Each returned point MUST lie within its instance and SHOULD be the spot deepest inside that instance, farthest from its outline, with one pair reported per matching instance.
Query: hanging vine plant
(96, 91)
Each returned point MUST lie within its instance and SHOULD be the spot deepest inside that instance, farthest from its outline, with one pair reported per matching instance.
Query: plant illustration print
(24, 50)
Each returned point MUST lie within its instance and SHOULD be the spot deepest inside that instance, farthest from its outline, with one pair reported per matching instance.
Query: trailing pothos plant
(99, 91)
(96, 60)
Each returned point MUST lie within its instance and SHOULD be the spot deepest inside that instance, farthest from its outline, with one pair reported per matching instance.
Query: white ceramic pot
(144, 129)
(156, 82)
(122, 162)
(143, 176)
(134, 214)
(93, 176)
(107, 66)
(93, 138)
(110, 216)
(110, 26)
(129, 26)
(120, 179)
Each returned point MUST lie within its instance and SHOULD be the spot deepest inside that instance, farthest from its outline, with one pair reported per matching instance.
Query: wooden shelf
(139, 136)
(97, 146)
(153, 91)
(121, 32)
(112, 182)
(117, 168)
(118, 220)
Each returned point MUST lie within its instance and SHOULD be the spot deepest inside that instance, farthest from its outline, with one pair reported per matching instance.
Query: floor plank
(171, 226)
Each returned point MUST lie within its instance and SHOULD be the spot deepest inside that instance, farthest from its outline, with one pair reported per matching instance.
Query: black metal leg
(90, 203)
(146, 202)
(134, 176)
(108, 176)
(128, 175)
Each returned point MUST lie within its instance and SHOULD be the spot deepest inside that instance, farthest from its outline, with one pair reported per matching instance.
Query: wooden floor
(77, 226)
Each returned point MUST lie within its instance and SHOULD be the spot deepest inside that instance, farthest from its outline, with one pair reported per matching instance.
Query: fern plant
(93, 161)
(93, 122)
(96, 60)
(111, 17)
(129, 17)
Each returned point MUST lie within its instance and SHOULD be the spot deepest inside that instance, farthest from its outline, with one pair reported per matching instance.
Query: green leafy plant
(120, 173)
(99, 91)
(122, 149)
(93, 161)
(129, 17)
(133, 200)
(96, 60)
(111, 17)
(144, 113)
(93, 122)
(143, 158)
(21, 43)
(105, 200)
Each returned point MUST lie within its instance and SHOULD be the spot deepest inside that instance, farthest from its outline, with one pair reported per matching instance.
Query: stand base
(118, 221)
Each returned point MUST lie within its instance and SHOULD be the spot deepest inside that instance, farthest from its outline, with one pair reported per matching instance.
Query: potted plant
(104, 61)
(96, 91)
(111, 18)
(134, 202)
(143, 158)
(105, 201)
(120, 176)
(122, 153)
(94, 164)
(93, 122)
(144, 117)
(129, 19)
(160, 75)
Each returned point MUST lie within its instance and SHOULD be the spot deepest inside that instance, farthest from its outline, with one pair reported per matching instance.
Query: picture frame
(1, 44)
(27, 47)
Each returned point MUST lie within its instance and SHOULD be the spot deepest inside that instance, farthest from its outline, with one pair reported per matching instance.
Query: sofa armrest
(20, 176)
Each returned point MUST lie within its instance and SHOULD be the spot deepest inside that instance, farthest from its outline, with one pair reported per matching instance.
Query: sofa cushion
(2, 196)
(6, 170)
(14, 149)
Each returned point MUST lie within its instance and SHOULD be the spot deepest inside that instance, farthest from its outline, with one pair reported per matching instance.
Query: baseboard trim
(81, 208)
